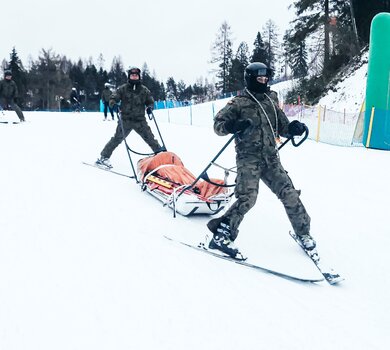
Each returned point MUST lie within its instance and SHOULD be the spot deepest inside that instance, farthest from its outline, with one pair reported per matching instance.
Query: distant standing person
(9, 93)
(134, 98)
(75, 100)
(106, 94)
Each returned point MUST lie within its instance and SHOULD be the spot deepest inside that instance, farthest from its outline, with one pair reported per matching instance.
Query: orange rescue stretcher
(165, 177)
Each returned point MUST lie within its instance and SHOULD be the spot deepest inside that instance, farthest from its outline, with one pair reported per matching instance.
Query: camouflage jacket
(8, 89)
(106, 94)
(258, 141)
(133, 101)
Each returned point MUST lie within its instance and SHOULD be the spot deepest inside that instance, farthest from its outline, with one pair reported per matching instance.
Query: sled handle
(306, 134)
(296, 144)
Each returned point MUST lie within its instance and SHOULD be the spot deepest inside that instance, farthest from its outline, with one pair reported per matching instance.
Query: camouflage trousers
(276, 178)
(140, 127)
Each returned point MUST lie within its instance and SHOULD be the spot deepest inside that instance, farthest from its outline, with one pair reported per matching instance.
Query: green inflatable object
(377, 122)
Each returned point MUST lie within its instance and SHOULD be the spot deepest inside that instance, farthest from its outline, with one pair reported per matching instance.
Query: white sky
(173, 37)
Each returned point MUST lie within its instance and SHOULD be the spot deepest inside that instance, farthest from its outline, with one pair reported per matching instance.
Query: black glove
(149, 110)
(296, 128)
(233, 126)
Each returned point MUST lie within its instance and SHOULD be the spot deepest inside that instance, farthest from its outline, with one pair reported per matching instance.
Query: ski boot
(307, 241)
(221, 239)
(105, 162)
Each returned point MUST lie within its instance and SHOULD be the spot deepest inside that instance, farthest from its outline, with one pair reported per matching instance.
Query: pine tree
(239, 64)
(117, 74)
(47, 81)
(222, 54)
(259, 52)
(156, 88)
(298, 59)
(18, 75)
(91, 87)
(184, 92)
(314, 16)
(172, 92)
(270, 35)
(102, 78)
(76, 75)
(200, 90)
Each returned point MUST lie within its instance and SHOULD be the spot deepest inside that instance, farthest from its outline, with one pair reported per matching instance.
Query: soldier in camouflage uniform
(106, 94)
(9, 93)
(258, 121)
(134, 97)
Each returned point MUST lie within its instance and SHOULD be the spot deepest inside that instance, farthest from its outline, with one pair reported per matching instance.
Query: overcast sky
(173, 37)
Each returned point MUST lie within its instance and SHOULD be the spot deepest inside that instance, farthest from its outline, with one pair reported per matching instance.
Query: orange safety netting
(173, 170)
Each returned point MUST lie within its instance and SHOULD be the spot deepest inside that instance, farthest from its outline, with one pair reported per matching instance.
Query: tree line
(324, 36)
(47, 83)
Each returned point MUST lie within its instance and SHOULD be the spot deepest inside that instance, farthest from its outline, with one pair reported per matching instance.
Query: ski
(108, 169)
(329, 274)
(7, 122)
(202, 248)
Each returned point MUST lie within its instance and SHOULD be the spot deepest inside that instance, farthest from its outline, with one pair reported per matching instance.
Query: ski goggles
(262, 72)
(134, 71)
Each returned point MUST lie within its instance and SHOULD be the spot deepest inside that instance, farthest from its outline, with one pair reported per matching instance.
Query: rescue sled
(164, 176)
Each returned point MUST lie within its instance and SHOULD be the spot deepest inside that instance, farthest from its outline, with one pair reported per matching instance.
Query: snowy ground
(84, 265)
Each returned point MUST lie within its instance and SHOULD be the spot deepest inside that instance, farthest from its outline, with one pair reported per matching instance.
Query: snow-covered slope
(84, 265)
(350, 92)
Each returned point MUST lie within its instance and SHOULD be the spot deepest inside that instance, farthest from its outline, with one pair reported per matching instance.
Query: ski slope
(84, 264)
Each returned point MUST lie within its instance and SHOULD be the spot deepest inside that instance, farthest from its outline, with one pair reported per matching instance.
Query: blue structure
(377, 116)
(170, 104)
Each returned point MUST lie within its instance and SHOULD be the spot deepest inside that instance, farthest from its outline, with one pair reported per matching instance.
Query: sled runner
(165, 177)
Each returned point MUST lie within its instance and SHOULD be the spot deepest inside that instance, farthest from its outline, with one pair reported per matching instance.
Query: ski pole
(126, 145)
(284, 143)
(202, 174)
(151, 116)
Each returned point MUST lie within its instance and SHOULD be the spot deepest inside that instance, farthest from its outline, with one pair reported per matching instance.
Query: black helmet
(254, 70)
(134, 70)
(7, 73)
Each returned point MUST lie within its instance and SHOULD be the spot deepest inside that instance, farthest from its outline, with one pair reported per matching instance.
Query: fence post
(318, 123)
(370, 127)
(190, 114)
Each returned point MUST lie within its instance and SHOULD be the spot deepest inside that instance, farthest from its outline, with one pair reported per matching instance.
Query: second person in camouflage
(134, 98)
(258, 121)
